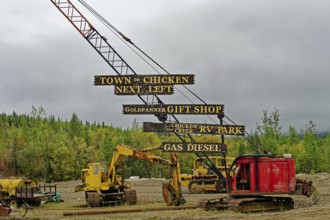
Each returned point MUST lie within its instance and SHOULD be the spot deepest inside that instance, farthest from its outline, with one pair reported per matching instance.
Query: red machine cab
(258, 175)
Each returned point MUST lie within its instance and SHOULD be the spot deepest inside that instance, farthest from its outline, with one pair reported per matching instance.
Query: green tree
(268, 133)
(63, 163)
(326, 154)
(75, 126)
(310, 159)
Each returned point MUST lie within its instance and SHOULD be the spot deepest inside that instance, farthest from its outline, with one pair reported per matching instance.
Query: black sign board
(193, 147)
(174, 109)
(189, 128)
(175, 79)
(144, 90)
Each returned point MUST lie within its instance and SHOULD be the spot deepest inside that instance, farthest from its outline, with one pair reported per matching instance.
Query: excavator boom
(102, 183)
(172, 192)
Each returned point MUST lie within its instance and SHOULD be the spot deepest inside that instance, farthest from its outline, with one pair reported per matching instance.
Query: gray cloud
(248, 55)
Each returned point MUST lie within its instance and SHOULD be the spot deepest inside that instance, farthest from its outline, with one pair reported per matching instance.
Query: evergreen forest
(47, 148)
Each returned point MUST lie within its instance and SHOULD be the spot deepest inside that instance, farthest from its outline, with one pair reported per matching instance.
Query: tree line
(45, 147)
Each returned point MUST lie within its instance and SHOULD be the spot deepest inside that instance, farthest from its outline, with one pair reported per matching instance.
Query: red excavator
(256, 181)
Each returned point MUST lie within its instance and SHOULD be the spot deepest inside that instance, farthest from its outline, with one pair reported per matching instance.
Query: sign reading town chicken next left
(144, 84)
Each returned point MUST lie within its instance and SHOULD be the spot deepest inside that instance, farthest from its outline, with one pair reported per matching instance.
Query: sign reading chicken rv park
(191, 128)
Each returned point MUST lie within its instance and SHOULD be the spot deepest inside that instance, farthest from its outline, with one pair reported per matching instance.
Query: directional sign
(144, 90)
(188, 128)
(193, 147)
(174, 109)
(107, 80)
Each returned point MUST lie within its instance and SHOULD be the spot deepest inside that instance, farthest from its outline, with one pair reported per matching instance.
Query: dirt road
(149, 195)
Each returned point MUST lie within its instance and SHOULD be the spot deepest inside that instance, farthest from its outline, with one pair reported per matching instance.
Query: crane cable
(127, 40)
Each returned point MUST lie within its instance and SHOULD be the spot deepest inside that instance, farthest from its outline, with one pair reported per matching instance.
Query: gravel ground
(149, 196)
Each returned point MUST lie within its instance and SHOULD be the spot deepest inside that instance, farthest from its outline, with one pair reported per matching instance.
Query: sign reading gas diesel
(174, 109)
(107, 80)
(193, 147)
(188, 128)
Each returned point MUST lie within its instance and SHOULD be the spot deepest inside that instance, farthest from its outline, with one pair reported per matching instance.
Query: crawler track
(253, 204)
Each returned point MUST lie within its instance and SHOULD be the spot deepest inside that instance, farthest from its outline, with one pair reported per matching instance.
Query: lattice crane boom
(116, 62)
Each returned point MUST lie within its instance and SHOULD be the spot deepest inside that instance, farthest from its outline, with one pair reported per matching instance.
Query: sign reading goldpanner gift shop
(208, 109)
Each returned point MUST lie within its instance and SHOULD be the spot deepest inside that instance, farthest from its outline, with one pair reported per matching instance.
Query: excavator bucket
(310, 191)
(307, 187)
(171, 197)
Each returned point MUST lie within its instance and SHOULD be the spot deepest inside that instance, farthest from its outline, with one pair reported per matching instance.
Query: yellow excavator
(102, 184)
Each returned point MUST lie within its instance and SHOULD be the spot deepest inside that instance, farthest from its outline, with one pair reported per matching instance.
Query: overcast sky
(250, 56)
